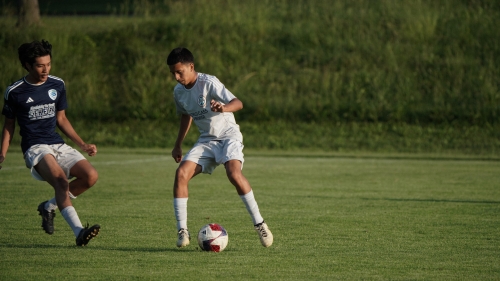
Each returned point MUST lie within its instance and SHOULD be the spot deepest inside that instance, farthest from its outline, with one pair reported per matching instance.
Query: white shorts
(211, 154)
(65, 155)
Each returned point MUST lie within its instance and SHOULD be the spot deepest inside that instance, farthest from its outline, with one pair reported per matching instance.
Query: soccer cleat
(87, 234)
(47, 218)
(266, 237)
(184, 238)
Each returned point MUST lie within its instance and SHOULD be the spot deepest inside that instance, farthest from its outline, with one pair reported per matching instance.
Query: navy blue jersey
(35, 108)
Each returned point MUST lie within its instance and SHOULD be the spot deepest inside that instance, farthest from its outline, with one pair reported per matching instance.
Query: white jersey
(196, 103)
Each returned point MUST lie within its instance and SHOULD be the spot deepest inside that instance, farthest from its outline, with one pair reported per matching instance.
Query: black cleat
(87, 234)
(47, 218)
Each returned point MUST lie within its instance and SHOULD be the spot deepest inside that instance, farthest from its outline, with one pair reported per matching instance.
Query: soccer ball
(213, 238)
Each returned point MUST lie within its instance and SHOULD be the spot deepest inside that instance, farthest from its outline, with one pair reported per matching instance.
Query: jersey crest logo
(202, 101)
(53, 94)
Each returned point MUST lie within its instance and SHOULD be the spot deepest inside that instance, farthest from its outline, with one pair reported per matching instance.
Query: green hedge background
(322, 65)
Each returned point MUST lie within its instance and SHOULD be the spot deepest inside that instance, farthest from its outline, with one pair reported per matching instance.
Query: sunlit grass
(348, 217)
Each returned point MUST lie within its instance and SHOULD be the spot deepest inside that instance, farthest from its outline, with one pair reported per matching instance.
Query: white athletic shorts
(65, 155)
(211, 154)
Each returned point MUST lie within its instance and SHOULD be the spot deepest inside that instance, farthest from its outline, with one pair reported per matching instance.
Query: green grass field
(334, 217)
(391, 76)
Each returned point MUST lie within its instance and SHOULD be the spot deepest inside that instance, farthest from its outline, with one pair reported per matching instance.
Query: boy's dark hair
(181, 55)
(28, 52)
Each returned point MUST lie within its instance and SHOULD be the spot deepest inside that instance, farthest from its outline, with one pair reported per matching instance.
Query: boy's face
(39, 71)
(184, 73)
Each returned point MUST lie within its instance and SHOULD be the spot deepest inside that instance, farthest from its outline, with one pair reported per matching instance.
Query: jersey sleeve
(8, 108)
(62, 102)
(220, 93)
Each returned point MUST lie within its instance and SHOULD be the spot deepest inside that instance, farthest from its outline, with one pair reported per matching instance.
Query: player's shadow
(158, 250)
(138, 249)
(32, 246)
(103, 248)
(436, 200)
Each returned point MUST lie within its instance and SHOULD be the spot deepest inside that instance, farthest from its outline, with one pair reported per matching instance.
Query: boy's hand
(2, 158)
(216, 106)
(177, 154)
(91, 149)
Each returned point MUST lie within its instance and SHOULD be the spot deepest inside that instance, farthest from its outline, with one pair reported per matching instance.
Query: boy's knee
(234, 176)
(181, 174)
(92, 177)
(62, 183)
(89, 178)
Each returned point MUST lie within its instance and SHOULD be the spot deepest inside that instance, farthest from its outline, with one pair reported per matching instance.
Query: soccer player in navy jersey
(38, 102)
(204, 100)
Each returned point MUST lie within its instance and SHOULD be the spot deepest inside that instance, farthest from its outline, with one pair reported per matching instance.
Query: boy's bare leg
(236, 177)
(50, 171)
(186, 171)
(85, 177)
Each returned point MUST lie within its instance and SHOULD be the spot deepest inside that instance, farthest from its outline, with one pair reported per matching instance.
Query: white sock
(71, 217)
(252, 207)
(180, 209)
(51, 205)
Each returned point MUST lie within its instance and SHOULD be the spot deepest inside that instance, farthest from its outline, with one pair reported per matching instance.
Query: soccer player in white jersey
(38, 102)
(202, 98)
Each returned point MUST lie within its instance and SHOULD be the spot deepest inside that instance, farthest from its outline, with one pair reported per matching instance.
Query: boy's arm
(66, 127)
(7, 134)
(233, 106)
(185, 124)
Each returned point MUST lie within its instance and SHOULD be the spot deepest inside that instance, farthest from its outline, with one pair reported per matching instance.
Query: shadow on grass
(435, 200)
(101, 248)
